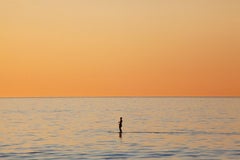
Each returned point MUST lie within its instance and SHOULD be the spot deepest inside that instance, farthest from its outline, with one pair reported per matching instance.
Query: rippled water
(87, 128)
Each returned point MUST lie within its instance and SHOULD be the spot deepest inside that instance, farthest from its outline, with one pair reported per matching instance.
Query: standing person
(120, 125)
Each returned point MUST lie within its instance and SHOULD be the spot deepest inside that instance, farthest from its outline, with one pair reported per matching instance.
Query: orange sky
(119, 48)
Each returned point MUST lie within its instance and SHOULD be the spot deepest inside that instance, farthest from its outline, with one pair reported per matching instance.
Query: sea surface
(87, 128)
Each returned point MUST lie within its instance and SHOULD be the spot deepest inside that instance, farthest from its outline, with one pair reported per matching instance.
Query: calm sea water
(87, 128)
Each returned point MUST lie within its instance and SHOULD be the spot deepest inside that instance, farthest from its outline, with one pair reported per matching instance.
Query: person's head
(121, 118)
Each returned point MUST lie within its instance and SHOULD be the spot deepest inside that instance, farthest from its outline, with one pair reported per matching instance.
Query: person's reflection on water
(120, 125)
(120, 134)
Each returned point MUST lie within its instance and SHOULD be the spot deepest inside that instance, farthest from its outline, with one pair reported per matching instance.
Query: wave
(180, 133)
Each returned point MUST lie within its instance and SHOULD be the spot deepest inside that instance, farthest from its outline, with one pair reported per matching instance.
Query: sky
(119, 48)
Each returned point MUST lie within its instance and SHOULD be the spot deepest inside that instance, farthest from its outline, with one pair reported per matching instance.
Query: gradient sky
(119, 48)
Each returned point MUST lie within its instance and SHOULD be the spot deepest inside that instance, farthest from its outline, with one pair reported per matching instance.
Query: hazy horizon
(124, 97)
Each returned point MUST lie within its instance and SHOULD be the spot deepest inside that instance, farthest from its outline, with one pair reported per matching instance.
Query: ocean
(87, 128)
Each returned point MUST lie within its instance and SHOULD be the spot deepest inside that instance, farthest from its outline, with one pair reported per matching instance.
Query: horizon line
(121, 97)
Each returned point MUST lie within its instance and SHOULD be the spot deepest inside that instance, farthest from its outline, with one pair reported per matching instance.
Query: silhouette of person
(120, 125)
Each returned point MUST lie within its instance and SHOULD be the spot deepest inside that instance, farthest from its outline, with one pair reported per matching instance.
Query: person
(120, 125)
